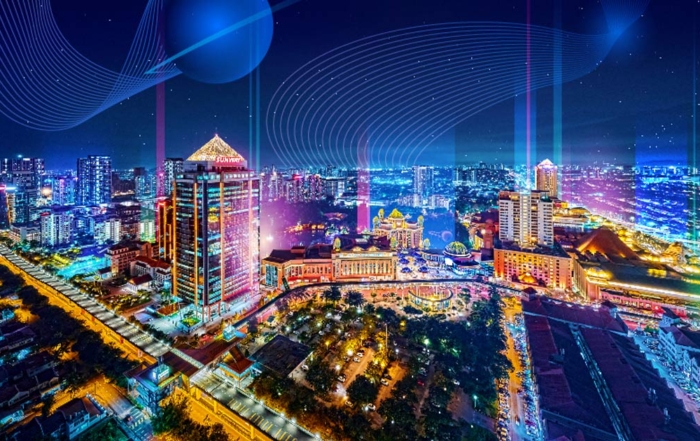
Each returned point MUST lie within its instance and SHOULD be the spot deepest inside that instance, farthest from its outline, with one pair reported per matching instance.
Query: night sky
(635, 108)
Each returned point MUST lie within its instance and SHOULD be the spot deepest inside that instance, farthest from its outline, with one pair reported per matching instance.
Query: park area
(375, 367)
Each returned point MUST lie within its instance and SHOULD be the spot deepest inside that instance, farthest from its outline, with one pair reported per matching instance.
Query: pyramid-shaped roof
(215, 150)
(605, 241)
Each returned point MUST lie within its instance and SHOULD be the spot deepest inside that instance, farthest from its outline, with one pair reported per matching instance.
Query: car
(455, 382)
(371, 407)
(342, 378)
(304, 367)
(356, 359)
(348, 403)
(320, 332)
(384, 382)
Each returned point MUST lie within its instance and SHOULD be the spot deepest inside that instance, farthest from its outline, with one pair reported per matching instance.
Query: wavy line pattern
(46, 84)
(395, 93)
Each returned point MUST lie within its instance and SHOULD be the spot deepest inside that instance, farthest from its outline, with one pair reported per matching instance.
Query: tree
(332, 294)
(321, 377)
(354, 298)
(362, 391)
(169, 416)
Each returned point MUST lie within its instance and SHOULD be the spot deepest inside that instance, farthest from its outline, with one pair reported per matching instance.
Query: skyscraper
(525, 218)
(546, 178)
(423, 180)
(172, 167)
(25, 175)
(94, 180)
(216, 208)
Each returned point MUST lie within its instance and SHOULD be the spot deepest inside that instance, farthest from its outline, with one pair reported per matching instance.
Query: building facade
(423, 180)
(120, 256)
(350, 258)
(546, 178)
(94, 180)
(398, 230)
(56, 228)
(542, 267)
(216, 209)
(172, 168)
(525, 218)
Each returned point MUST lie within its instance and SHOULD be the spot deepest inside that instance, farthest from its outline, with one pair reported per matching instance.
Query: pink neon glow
(528, 117)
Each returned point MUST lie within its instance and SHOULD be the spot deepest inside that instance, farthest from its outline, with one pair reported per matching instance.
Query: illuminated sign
(228, 161)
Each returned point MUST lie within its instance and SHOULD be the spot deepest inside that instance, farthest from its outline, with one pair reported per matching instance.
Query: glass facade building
(216, 210)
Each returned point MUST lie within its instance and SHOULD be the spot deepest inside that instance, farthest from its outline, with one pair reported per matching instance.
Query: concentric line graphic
(400, 90)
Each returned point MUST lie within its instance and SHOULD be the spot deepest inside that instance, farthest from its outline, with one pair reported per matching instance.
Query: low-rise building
(67, 421)
(350, 258)
(121, 255)
(541, 266)
(159, 271)
(681, 346)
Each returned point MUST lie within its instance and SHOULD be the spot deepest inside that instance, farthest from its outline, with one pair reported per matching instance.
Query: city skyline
(299, 220)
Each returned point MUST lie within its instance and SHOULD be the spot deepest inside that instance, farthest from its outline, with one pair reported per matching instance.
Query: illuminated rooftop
(214, 149)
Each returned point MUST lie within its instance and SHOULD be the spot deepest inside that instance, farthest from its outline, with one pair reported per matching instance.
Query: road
(516, 403)
(268, 421)
(85, 308)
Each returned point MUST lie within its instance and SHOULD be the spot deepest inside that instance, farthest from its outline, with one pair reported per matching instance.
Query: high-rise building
(63, 190)
(526, 218)
(25, 173)
(423, 180)
(546, 178)
(94, 180)
(216, 207)
(172, 167)
(56, 227)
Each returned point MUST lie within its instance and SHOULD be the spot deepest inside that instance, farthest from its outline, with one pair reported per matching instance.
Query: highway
(88, 309)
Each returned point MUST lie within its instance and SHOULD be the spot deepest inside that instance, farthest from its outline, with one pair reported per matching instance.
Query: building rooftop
(213, 150)
(153, 263)
(236, 361)
(574, 313)
(567, 392)
(684, 336)
(630, 378)
(555, 251)
(281, 355)
(605, 242)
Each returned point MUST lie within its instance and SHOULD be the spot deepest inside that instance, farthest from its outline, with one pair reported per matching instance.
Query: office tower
(94, 180)
(24, 173)
(217, 227)
(525, 218)
(63, 190)
(423, 180)
(172, 167)
(546, 178)
(142, 184)
(56, 227)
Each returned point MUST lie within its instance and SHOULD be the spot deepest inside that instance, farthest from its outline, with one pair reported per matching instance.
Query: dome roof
(528, 279)
(456, 249)
(396, 214)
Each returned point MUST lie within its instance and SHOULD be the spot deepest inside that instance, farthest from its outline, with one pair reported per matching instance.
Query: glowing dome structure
(456, 249)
